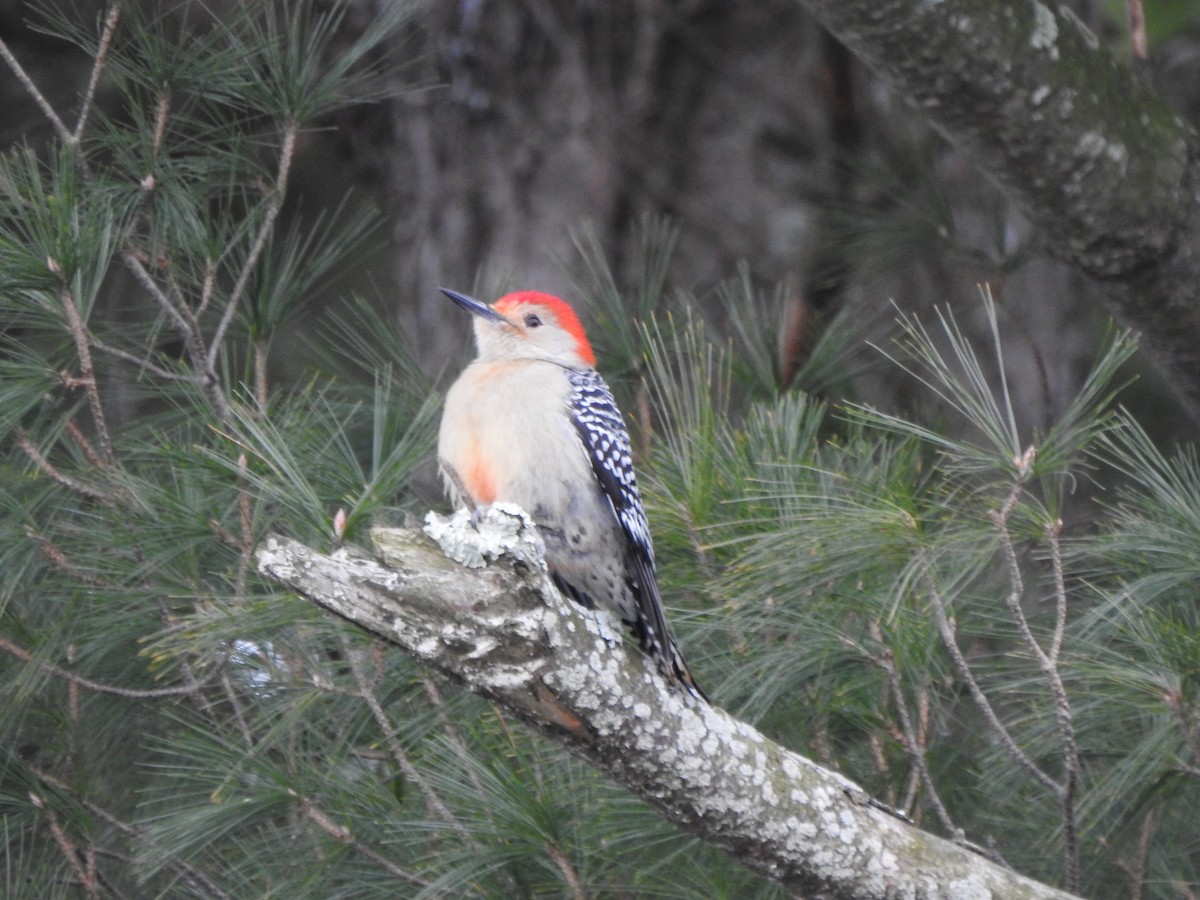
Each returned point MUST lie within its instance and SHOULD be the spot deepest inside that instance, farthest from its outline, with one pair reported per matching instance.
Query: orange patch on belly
(479, 482)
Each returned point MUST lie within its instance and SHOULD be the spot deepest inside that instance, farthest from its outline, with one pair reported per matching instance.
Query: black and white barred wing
(602, 429)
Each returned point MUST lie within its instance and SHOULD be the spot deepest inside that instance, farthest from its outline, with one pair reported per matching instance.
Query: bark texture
(1097, 160)
(498, 625)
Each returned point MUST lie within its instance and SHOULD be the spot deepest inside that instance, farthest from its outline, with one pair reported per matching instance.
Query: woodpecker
(531, 422)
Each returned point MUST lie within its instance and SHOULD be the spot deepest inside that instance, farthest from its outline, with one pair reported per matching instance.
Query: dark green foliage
(852, 580)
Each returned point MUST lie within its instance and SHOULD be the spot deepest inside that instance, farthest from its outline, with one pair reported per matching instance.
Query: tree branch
(500, 627)
(949, 637)
(39, 98)
(1054, 682)
(1098, 161)
(106, 38)
(278, 191)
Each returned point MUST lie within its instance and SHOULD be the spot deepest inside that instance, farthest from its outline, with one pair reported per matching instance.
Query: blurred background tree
(221, 231)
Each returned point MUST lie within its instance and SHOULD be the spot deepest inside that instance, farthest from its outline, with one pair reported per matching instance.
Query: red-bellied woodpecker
(531, 422)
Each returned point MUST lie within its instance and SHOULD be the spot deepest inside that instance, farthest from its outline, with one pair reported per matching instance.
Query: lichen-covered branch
(498, 625)
(1098, 161)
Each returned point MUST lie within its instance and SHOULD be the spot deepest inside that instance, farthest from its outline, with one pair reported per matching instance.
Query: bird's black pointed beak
(471, 305)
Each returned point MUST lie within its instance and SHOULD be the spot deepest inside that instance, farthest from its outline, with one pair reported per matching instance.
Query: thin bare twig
(67, 846)
(93, 876)
(1049, 668)
(142, 362)
(568, 871)
(185, 869)
(1053, 530)
(239, 715)
(246, 524)
(206, 289)
(161, 110)
(879, 760)
(344, 835)
(1137, 869)
(452, 733)
(81, 441)
(106, 37)
(51, 471)
(130, 693)
(261, 394)
(134, 263)
(32, 90)
(54, 555)
(204, 373)
(432, 801)
(946, 628)
(287, 152)
(1137, 30)
(913, 746)
(72, 715)
(87, 371)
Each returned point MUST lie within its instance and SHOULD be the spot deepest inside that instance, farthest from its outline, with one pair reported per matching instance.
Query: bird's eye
(532, 321)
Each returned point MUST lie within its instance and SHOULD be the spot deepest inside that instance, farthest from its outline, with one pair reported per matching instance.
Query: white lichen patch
(511, 677)
(690, 735)
(1045, 30)
(849, 827)
(968, 889)
(1039, 94)
(601, 625)
(484, 645)
(475, 539)
(769, 795)
(427, 648)
(1096, 146)
(883, 862)
(606, 722)
(801, 828)
(274, 561)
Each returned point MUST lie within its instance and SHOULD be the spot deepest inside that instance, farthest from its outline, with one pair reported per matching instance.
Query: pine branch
(504, 631)
(197, 879)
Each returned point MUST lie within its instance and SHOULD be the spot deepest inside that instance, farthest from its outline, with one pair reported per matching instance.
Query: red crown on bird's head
(564, 317)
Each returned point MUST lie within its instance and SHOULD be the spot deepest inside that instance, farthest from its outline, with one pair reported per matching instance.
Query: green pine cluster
(995, 632)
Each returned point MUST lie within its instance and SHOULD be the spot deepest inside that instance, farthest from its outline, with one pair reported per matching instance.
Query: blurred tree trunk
(1105, 169)
(747, 124)
(549, 115)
